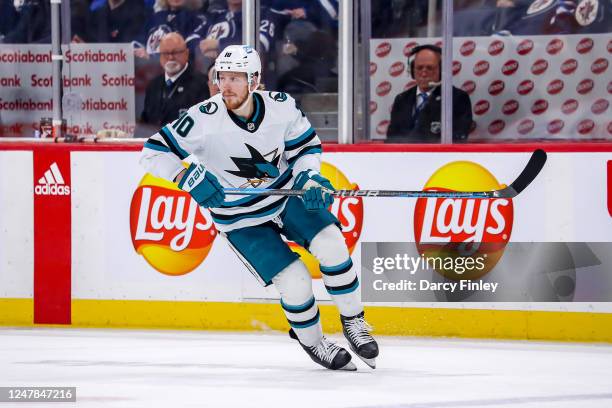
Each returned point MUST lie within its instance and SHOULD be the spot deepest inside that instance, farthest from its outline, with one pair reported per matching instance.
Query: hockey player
(247, 138)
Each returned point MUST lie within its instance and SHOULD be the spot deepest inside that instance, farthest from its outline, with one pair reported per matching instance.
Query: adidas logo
(52, 183)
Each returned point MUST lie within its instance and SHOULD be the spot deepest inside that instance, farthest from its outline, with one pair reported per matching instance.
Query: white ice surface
(127, 368)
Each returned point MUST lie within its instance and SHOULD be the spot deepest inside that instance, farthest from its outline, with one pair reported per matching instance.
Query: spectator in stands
(215, 5)
(316, 55)
(213, 89)
(8, 17)
(34, 24)
(300, 62)
(79, 18)
(416, 113)
(529, 17)
(322, 13)
(479, 19)
(178, 88)
(400, 18)
(97, 4)
(117, 21)
(170, 16)
(533, 17)
(224, 28)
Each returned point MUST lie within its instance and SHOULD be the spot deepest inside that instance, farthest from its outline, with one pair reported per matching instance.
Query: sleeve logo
(278, 96)
(209, 108)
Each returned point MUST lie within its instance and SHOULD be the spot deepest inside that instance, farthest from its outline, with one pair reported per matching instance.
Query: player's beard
(235, 103)
(172, 67)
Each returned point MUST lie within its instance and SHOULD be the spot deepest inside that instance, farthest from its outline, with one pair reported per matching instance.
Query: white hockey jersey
(265, 151)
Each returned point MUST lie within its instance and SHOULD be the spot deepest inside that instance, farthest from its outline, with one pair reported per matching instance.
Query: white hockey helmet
(239, 58)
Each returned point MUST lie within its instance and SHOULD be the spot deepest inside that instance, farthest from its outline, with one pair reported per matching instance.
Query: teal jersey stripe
(307, 150)
(297, 140)
(338, 269)
(171, 141)
(307, 323)
(299, 308)
(257, 102)
(156, 147)
(341, 290)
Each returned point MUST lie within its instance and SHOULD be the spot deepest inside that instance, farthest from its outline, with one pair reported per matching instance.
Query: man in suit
(178, 88)
(116, 21)
(416, 113)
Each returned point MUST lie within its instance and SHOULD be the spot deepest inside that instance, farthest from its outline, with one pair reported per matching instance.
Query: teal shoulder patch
(278, 96)
(209, 108)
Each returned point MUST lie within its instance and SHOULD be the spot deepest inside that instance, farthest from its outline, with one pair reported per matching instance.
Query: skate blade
(371, 362)
(350, 366)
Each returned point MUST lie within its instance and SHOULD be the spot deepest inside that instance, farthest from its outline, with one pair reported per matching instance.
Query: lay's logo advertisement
(463, 227)
(168, 228)
(348, 210)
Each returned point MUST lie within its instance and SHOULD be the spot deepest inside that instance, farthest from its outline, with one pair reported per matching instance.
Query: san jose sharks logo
(278, 96)
(258, 168)
(209, 108)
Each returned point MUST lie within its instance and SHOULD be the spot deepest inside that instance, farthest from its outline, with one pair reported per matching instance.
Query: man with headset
(416, 113)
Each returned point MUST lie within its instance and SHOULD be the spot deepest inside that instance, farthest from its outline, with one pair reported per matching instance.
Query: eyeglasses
(172, 53)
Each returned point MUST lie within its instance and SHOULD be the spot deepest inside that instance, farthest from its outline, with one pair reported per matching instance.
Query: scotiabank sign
(97, 78)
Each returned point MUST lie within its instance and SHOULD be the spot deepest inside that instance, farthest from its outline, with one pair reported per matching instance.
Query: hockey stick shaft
(363, 193)
(529, 173)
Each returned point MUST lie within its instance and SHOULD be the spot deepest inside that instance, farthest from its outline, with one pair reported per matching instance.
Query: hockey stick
(532, 169)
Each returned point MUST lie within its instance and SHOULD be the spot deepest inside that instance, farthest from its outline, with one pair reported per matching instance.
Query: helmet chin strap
(251, 82)
(250, 95)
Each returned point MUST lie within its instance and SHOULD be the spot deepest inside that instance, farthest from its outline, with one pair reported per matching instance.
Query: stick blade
(529, 173)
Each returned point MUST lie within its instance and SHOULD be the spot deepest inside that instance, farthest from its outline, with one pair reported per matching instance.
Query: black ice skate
(327, 354)
(356, 330)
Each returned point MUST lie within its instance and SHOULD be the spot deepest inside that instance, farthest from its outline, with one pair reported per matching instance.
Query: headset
(419, 48)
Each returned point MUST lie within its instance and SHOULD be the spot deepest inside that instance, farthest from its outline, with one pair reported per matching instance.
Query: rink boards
(86, 241)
